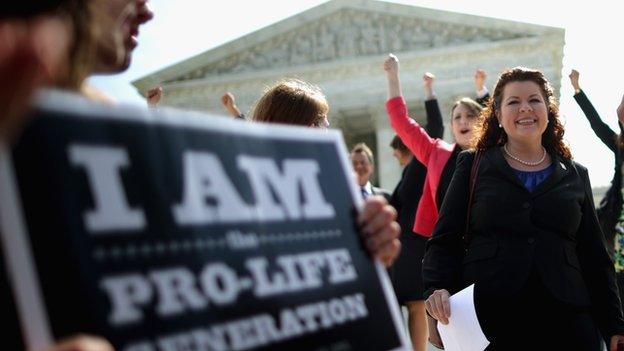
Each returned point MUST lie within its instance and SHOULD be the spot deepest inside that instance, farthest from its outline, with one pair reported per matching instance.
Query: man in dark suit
(364, 165)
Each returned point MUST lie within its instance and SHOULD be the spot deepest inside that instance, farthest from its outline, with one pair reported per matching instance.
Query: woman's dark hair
(397, 144)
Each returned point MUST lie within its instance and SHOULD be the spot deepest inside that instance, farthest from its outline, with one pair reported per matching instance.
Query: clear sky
(594, 46)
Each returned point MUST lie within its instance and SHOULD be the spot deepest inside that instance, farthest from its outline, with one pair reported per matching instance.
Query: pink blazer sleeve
(411, 133)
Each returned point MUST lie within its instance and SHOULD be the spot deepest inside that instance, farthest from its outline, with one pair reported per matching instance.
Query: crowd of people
(503, 207)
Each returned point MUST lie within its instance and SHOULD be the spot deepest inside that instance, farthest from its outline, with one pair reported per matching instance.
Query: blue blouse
(531, 179)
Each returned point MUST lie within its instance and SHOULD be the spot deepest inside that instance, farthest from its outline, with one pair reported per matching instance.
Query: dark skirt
(406, 272)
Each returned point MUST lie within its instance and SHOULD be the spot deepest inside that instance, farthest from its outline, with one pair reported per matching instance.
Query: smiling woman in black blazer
(543, 279)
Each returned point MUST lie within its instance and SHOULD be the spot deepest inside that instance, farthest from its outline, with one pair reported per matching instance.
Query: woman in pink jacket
(437, 155)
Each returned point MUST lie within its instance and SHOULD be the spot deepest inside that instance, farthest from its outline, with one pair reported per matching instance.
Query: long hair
(80, 14)
(291, 101)
(488, 134)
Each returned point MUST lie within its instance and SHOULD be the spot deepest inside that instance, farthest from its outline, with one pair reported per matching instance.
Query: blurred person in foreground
(59, 44)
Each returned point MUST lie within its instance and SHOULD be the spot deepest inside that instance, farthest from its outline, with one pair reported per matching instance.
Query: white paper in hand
(463, 333)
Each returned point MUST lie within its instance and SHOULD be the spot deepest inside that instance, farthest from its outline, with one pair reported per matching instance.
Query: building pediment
(345, 34)
(340, 30)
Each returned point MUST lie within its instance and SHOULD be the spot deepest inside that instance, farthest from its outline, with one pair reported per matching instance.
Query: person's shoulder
(582, 170)
(567, 163)
(464, 160)
(381, 191)
(468, 154)
(467, 157)
(574, 167)
(579, 166)
(442, 145)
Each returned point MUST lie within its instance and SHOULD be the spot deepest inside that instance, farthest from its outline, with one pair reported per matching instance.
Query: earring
(500, 125)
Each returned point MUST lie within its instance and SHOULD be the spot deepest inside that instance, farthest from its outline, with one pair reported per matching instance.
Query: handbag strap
(473, 181)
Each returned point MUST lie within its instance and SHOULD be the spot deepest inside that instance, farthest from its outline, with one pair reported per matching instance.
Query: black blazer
(483, 101)
(553, 230)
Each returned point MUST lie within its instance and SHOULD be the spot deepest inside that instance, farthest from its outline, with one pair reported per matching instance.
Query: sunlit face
(362, 166)
(523, 112)
(462, 122)
(402, 157)
(119, 26)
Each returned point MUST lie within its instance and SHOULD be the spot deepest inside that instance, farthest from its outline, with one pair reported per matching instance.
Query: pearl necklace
(526, 163)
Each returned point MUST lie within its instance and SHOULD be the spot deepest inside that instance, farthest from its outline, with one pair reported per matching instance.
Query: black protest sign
(178, 231)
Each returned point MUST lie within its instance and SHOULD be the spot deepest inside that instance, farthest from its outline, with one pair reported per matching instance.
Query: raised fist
(391, 66)
(480, 77)
(574, 79)
(154, 95)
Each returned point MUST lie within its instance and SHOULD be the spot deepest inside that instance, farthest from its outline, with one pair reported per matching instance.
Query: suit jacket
(383, 192)
(407, 193)
(553, 230)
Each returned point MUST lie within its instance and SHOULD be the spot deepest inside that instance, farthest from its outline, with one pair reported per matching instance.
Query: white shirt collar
(368, 187)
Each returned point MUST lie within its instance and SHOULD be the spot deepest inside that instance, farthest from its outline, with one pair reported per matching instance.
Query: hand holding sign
(183, 229)
(82, 343)
(380, 231)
